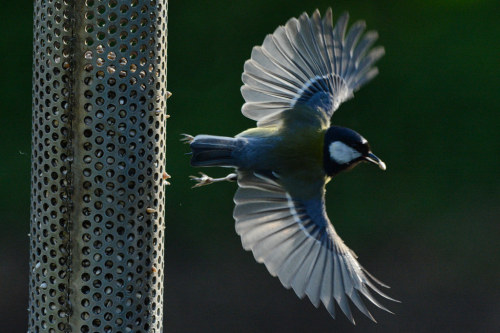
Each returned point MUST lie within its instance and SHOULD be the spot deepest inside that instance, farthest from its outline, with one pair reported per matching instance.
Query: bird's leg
(186, 138)
(205, 179)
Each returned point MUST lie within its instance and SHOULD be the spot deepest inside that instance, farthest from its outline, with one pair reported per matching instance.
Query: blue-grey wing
(298, 244)
(310, 62)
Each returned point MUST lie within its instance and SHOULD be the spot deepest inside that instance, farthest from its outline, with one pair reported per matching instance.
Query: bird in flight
(292, 85)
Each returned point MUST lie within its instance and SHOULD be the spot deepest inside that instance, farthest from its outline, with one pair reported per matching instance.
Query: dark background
(428, 226)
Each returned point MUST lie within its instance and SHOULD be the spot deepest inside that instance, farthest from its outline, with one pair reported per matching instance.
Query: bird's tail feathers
(210, 150)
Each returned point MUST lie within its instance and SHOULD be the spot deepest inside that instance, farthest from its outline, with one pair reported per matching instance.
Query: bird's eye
(358, 147)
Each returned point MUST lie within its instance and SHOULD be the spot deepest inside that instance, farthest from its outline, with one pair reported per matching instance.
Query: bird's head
(344, 149)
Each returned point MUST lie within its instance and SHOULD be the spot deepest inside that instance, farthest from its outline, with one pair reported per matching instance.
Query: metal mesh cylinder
(98, 174)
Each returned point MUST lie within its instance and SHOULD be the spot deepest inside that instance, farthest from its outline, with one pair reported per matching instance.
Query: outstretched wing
(297, 243)
(310, 62)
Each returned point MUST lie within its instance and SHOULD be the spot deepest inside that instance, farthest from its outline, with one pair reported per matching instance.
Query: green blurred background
(428, 226)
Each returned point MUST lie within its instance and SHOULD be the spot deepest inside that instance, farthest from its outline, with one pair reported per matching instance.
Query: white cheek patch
(342, 153)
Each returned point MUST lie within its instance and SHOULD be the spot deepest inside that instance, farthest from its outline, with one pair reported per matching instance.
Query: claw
(186, 138)
(206, 180)
(202, 181)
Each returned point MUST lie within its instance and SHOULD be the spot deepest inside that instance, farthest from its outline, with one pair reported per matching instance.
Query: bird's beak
(370, 157)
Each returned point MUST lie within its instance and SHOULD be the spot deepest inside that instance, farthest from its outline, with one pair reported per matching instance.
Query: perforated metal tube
(98, 155)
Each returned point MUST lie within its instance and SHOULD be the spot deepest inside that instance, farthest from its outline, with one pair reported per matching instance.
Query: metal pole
(98, 166)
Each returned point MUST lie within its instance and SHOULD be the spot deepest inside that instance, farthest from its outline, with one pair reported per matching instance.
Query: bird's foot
(206, 180)
(186, 138)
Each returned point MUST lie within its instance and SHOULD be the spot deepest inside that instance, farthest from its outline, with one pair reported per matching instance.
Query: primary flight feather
(293, 84)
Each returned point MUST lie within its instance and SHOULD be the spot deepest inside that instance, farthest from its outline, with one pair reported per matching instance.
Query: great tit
(293, 84)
